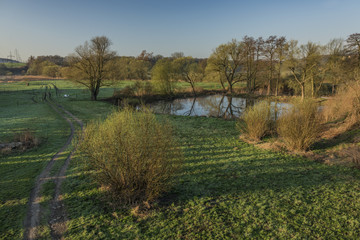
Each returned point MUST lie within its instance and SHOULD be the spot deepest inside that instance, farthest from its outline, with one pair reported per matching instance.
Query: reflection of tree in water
(216, 106)
(192, 109)
(167, 107)
(223, 106)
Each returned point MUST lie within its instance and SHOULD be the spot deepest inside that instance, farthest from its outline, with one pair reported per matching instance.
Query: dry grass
(136, 155)
(255, 123)
(300, 126)
(342, 112)
(353, 154)
(22, 141)
(345, 104)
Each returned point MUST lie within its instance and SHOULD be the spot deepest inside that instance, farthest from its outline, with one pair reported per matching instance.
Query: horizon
(40, 27)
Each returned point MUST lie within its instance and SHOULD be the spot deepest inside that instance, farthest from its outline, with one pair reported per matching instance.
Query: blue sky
(195, 27)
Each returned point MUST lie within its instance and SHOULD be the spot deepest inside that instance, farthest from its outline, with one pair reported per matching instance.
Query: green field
(14, 65)
(227, 189)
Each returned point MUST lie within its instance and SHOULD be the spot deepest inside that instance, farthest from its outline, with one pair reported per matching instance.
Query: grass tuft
(255, 122)
(300, 126)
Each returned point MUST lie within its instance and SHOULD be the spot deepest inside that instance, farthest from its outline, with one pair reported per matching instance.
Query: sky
(194, 27)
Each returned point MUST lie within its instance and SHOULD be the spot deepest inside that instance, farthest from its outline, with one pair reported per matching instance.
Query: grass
(19, 169)
(228, 189)
(22, 109)
(14, 65)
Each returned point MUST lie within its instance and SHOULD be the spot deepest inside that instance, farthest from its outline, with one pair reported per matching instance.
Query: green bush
(300, 126)
(255, 123)
(162, 77)
(135, 156)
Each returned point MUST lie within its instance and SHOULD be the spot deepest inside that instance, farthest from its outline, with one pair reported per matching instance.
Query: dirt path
(57, 221)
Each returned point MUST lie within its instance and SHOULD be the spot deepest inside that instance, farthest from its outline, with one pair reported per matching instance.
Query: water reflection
(214, 106)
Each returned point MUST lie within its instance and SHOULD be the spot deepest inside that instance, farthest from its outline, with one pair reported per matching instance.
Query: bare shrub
(135, 155)
(27, 138)
(22, 141)
(300, 126)
(255, 123)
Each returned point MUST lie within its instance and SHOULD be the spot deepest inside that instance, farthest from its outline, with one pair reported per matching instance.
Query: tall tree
(282, 48)
(334, 63)
(226, 60)
(189, 70)
(177, 55)
(91, 62)
(251, 53)
(269, 51)
(302, 62)
(353, 46)
(162, 76)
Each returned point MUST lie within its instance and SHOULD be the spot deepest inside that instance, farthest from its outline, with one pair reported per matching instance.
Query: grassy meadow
(227, 189)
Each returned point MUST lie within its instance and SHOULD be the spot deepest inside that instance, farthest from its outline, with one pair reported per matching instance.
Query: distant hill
(6, 60)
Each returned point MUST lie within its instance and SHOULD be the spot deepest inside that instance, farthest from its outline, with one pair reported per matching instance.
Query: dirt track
(57, 221)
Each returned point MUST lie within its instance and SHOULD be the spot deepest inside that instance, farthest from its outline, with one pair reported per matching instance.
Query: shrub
(300, 126)
(22, 141)
(127, 91)
(139, 88)
(135, 156)
(27, 139)
(162, 77)
(142, 88)
(255, 123)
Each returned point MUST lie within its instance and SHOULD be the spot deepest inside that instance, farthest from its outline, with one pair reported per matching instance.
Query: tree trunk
(312, 87)
(192, 87)
(302, 91)
(230, 88)
(93, 96)
(269, 87)
(94, 93)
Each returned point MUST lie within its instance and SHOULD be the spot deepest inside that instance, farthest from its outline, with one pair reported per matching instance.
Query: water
(213, 106)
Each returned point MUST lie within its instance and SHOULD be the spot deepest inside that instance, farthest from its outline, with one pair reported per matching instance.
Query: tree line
(270, 66)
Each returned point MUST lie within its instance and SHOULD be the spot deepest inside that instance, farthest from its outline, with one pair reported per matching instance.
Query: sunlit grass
(18, 169)
(227, 189)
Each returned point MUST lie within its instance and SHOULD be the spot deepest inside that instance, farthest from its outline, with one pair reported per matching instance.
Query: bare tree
(226, 60)
(90, 61)
(282, 48)
(335, 53)
(303, 62)
(353, 46)
(269, 50)
(189, 70)
(251, 53)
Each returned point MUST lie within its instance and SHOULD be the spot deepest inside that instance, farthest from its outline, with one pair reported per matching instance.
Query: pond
(213, 106)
